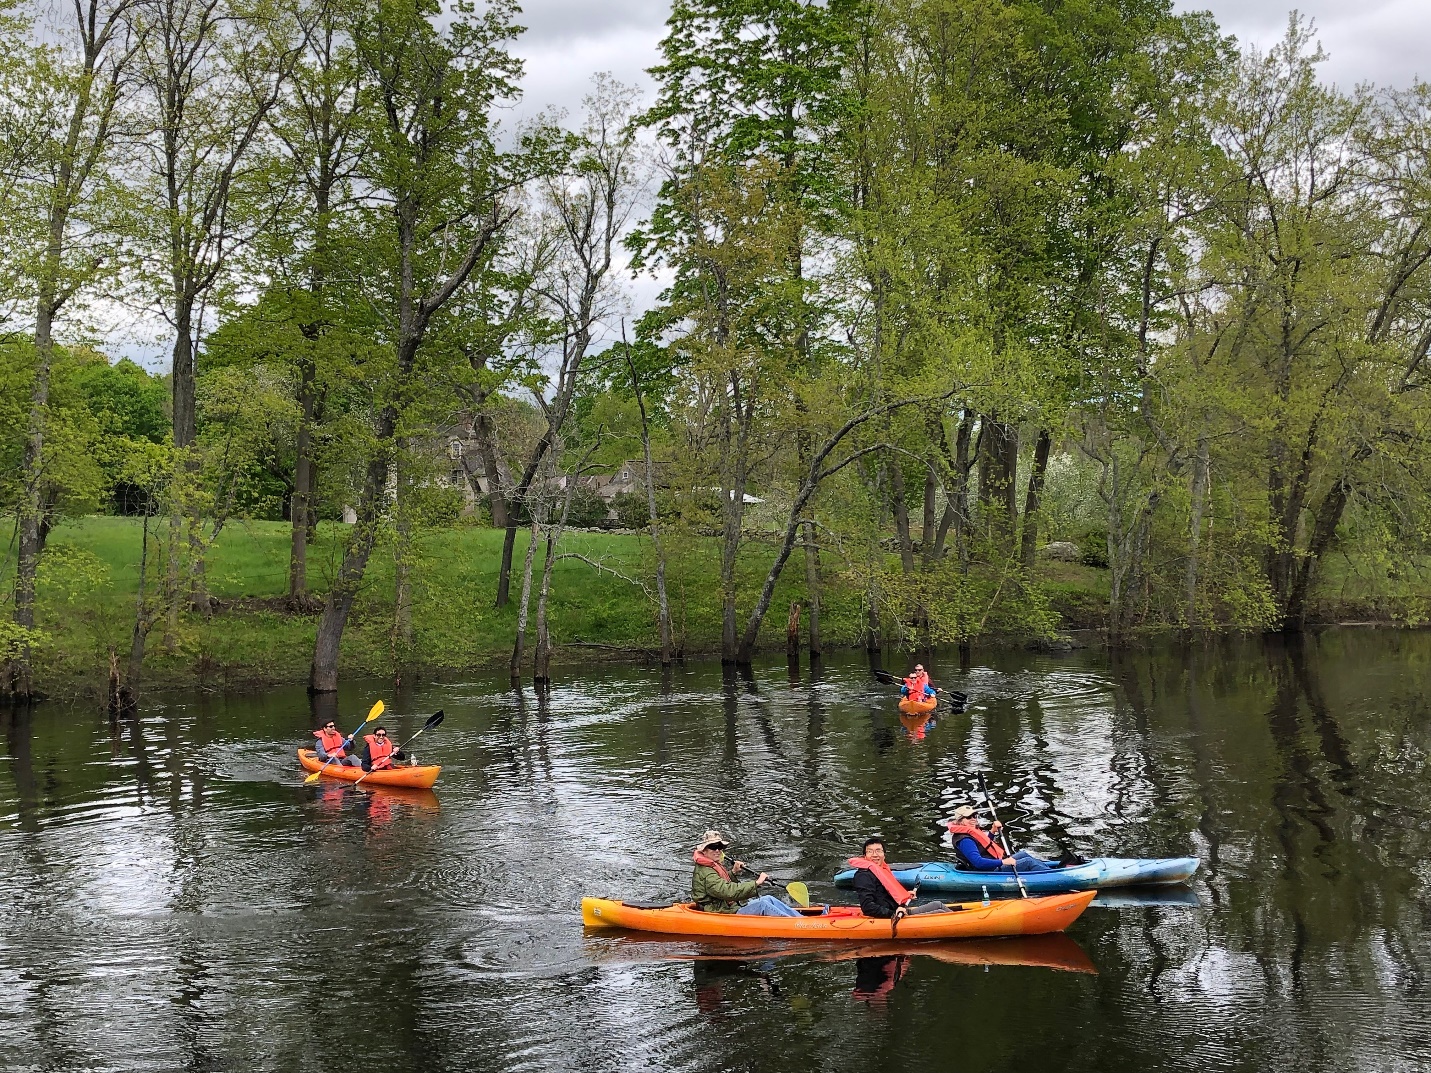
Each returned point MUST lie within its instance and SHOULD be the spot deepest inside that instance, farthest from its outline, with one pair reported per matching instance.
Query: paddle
(983, 787)
(373, 713)
(798, 891)
(432, 721)
(885, 678)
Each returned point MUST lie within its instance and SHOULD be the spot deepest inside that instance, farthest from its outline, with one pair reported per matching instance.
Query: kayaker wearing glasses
(917, 685)
(980, 852)
(333, 746)
(380, 751)
(881, 895)
(714, 891)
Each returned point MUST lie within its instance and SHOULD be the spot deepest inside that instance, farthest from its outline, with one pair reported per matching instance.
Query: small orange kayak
(413, 778)
(918, 706)
(1024, 916)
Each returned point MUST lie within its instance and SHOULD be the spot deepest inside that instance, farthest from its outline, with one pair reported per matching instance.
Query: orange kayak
(413, 778)
(921, 706)
(1024, 916)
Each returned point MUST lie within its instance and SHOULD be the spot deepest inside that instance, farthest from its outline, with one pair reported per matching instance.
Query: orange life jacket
(711, 862)
(332, 742)
(886, 879)
(380, 751)
(980, 837)
(916, 682)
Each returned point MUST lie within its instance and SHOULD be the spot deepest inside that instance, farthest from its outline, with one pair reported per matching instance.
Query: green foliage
(631, 509)
(588, 510)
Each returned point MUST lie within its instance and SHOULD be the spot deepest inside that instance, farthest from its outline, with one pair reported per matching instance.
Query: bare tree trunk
(1201, 477)
(323, 676)
(1034, 500)
(300, 505)
(812, 587)
(792, 632)
(901, 515)
(926, 531)
(663, 605)
(485, 435)
(140, 632)
(520, 644)
(542, 658)
(402, 556)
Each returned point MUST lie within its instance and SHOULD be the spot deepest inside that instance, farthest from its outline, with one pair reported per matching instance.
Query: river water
(172, 897)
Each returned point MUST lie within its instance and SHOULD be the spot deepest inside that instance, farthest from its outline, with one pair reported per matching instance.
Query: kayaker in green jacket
(715, 891)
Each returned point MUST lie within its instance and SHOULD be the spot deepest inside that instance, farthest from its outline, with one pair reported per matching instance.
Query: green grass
(90, 574)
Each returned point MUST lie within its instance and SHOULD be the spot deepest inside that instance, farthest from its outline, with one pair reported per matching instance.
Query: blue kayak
(1097, 874)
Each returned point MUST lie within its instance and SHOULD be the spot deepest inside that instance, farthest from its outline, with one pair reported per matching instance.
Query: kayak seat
(649, 905)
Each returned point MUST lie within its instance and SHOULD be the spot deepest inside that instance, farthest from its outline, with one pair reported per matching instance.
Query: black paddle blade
(433, 719)
(887, 678)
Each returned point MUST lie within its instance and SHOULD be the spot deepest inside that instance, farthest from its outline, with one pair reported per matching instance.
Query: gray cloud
(1381, 41)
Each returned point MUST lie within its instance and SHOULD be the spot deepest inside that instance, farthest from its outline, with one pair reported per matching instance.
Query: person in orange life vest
(380, 751)
(333, 746)
(714, 891)
(880, 893)
(917, 684)
(979, 851)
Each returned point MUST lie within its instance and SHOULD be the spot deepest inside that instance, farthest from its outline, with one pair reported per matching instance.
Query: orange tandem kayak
(920, 706)
(413, 778)
(1024, 916)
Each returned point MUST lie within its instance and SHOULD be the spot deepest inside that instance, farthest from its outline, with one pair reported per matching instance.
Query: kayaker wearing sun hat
(980, 852)
(917, 685)
(881, 895)
(714, 891)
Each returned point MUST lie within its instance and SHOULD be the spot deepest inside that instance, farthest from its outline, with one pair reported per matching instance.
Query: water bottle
(986, 895)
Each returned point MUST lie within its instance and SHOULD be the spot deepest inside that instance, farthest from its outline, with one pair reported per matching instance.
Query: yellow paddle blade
(375, 711)
(314, 776)
(799, 894)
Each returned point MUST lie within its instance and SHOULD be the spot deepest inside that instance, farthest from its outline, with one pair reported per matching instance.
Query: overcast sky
(1381, 41)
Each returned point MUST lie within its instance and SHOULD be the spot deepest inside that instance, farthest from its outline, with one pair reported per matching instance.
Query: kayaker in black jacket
(881, 895)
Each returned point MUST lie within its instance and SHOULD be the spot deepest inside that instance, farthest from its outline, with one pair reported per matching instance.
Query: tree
(79, 89)
(440, 197)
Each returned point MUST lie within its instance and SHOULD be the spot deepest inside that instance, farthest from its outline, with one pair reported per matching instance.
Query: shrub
(1093, 545)
(588, 510)
(631, 510)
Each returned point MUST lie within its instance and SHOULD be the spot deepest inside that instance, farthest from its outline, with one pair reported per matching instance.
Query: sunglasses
(330, 726)
(382, 734)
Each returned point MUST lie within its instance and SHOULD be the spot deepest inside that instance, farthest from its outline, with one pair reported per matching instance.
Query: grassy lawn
(90, 576)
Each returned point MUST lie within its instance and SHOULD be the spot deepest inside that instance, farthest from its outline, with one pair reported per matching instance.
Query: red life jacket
(980, 837)
(332, 742)
(380, 751)
(711, 862)
(886, 879)
(916, 682)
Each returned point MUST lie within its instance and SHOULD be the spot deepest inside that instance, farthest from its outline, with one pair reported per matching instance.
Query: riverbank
(253, 637)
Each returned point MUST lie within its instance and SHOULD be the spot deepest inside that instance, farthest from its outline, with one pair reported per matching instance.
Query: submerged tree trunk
(1033, 502)
(519, 645)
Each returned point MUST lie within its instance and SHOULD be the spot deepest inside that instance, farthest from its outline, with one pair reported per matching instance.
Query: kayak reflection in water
(978, 850)
(881, 895)
(715, 891)
(875, 978)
